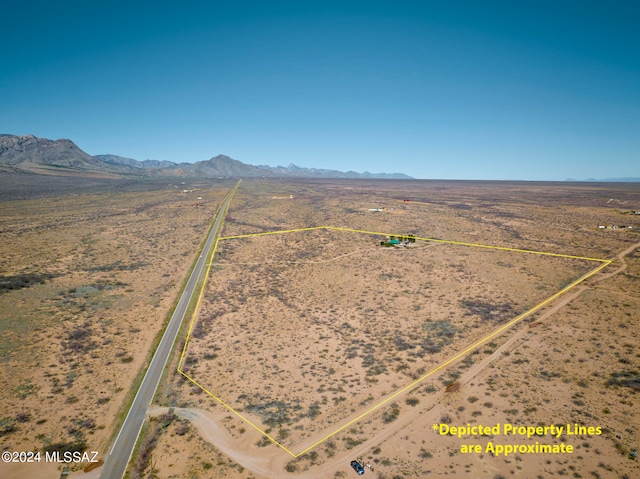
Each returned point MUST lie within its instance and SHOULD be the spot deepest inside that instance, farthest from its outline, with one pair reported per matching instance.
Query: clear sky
(527, 90)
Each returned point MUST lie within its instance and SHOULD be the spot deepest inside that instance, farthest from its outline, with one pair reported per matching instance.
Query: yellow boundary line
(236, 413)
(468, 349)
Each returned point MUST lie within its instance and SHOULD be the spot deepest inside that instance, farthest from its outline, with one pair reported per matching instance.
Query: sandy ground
(401, 440)
(102, 269)
(520, 377)
(573, 362)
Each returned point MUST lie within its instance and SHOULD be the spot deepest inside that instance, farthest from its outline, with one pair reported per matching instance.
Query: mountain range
(30, 154)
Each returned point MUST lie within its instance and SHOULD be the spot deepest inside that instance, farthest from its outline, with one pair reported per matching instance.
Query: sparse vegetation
(327, 323)
(628, 379)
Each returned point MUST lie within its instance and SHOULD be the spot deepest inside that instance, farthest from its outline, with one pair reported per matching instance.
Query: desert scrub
(391, 414)
(486, 310)
(411, 401)
(438, 334)
(628, 379)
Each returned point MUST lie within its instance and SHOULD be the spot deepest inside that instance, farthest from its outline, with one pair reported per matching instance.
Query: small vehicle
(357, 467)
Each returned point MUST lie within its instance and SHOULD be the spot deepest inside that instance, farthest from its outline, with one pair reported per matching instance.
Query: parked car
(357, 467)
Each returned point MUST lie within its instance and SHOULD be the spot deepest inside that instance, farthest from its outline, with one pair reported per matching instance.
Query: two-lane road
(120, 453)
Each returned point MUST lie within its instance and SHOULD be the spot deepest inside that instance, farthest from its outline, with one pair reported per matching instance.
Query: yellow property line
(475, 245)
(413, 384)
(204, 283)
(236, 413)
(459, 355)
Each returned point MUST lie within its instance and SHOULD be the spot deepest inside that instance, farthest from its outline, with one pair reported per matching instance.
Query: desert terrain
(300, 353)
(89, 273)
(328, 324)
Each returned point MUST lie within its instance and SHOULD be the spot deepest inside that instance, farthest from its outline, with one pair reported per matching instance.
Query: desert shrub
(7, 426)
(445, 419)
(401, 344)
(79, 445)
(20, 281)
(25, 389)
(78, 339)
(198, 330)
(439, 334)
(424, 454)
(264, 441)
(629, 379)
(330, 448)
(274, 413)
(430, 389)
(149, 443)
(411, 401)
(314, 410)
(368, 361)
(486, 310)
(23, 417)
(350, 442)
(391, 414)
(85, 423)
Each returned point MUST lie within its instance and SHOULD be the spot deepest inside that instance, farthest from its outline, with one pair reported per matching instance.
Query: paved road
(120, 453)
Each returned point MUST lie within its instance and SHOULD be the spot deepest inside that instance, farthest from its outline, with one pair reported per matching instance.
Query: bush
(392, 414)
(78, 445)
(412, 401)
(629, 379)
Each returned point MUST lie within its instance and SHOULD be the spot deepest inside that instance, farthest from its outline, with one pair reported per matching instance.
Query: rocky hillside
(51, 157)
(62, 157)
(222, 165)
(145, 164)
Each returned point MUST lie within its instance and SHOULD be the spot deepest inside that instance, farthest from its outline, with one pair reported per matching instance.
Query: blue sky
(526, 90)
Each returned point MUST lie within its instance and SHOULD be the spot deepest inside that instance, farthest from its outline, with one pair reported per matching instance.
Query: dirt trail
(621, 257)
(209, 426)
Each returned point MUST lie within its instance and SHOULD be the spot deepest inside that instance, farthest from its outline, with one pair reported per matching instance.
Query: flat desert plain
(88, 274)
(314, 345)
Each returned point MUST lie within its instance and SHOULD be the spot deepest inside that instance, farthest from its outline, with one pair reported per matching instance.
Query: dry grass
(328, 323)
(86, 282)
(298, 330)
(305, 330)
